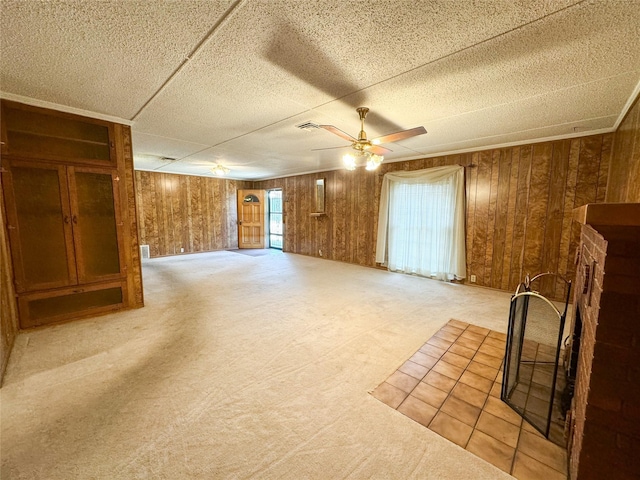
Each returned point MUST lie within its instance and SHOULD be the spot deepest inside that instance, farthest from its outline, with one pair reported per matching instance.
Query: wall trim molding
(63, 108)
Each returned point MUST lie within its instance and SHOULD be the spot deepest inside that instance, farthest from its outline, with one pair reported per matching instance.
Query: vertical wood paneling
(8, 306)
(537, 208)
(471, 177)
(194, 213)
(567, 239)
(624, 171)
(514, 168)
(520, 220)
(554, 215)
(500, 242)
(483, 195)
(492, 239)
(519, 208)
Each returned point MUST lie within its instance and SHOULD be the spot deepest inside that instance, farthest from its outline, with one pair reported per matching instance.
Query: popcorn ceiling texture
(474, 74)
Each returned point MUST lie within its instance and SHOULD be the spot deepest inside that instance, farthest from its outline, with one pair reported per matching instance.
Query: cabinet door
(41, 134)
(95, 221)
(39, 224)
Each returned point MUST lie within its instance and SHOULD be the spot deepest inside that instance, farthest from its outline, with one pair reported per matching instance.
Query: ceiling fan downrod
(362, 112)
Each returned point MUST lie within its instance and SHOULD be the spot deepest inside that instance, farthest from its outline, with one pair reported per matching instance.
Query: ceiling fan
(371, 148)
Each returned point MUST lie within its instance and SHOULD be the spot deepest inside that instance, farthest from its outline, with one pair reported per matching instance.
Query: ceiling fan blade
(395, 137)
(378, 150)
(340, 133)
(329, 148)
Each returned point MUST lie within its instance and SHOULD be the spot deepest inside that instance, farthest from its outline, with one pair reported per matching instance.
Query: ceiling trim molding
(627, 106)
(600, 131)
(63, 108)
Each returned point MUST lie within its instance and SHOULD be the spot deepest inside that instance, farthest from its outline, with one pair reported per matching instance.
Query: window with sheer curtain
(421, 223)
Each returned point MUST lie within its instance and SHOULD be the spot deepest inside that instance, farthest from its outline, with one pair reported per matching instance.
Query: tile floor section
(452, 386)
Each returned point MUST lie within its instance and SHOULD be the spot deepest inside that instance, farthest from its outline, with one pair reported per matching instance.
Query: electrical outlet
(320, 252)
(181, 249)
(473, 279)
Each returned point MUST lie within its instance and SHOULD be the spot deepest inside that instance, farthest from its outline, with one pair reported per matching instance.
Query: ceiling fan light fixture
(374, 161)
(349, 161)
(219, 170)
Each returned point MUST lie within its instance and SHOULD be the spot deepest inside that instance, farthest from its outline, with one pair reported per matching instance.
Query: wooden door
(39, 221)
(251, 218)
(93, 197)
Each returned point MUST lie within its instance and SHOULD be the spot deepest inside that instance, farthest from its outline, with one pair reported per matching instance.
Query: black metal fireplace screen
(532, 384)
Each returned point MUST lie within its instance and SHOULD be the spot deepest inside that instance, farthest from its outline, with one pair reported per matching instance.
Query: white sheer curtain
(421, 223)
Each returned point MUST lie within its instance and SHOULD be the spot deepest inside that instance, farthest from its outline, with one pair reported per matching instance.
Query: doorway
(276, 225)
(250, 218)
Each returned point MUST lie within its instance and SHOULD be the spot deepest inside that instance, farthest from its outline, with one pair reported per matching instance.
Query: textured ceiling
(226, 82)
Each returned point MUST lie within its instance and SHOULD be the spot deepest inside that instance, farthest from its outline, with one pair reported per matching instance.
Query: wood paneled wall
(624, 175)
(198, 214)
(519, 208)
(8, 307)
(130, 217)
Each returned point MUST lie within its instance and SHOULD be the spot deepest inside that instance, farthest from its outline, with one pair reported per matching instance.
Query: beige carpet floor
(238, 367)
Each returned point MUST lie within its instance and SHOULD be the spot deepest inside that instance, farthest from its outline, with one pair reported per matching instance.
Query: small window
(251, 199)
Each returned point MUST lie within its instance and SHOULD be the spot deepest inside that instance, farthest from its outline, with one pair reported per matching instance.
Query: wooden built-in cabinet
(61, 181)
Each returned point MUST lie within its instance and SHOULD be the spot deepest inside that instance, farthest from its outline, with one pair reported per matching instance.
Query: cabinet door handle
(66, 219)
(74, 219)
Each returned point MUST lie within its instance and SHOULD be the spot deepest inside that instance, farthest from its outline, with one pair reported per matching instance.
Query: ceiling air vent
(308, 126)
(167, 159)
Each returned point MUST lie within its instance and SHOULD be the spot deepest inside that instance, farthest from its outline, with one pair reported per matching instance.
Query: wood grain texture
(129, 215)
(197, 214)
(624, 171)
(8, 306)
(519, 204)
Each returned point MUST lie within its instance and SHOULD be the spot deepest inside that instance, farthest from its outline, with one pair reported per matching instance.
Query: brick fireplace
(604, 424)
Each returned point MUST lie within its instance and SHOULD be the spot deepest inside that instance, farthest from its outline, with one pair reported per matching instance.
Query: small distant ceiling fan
(370, 148)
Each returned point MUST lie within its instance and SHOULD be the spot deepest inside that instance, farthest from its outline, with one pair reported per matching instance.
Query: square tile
(479, 330)
(498, 408)
(499, 429)
(429, 394)
(439, 381)
(439, 342)
(493, 351)
(537, 406)
(469, 394)
(414, 369)
(403, 381)
(458, 324)
(448, 336)
(496, 390)
(461, 410)
(417, 410)
(494, 342)
(457, 360)
(483, 370)
(485, 359)
(543, 450)
(491, 450)
(476, 381)
(498, 335)
(476, 337)
(451, 329)
(468, 342)
(527, 468)
(432, 350)
(462, 351)
(390, 395)
(448, 370)
(453, 430)
(423, 359)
